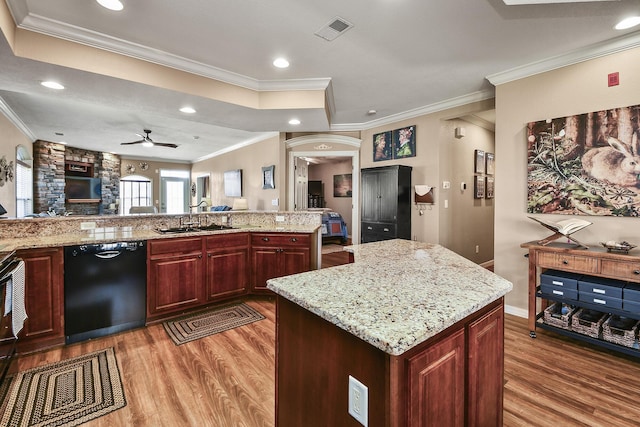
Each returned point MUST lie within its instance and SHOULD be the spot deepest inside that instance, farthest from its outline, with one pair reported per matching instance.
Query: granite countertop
(397, 294)
(121, 234)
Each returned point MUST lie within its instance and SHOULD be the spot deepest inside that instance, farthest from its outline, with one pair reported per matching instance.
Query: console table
(566, 257)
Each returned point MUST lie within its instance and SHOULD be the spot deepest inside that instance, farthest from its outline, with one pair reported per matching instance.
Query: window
(134, 191)
(24, 182)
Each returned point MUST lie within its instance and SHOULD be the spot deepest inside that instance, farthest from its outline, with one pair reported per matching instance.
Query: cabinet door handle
(369, 228)
(636, 271)
(209, 255)
(200, 256)
(386, 229)
(565, 262)
(294, 239)
(265, 239)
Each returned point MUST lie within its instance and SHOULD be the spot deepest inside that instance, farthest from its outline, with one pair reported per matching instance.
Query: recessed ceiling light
(188, 110)
(371, 112)
(52, 85)
(281, 63)
(294, 122)
(111, 4)
(629, 22)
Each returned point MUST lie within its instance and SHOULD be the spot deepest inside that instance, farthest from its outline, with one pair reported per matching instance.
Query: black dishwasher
(105, 288)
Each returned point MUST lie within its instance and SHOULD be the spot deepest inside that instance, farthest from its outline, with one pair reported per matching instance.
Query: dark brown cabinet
(44, 299)
(452, 379)
(227, 266)
(386, 203)
(175, 275)
(277, 255)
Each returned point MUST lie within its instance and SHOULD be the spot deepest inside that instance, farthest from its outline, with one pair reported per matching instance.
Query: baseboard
(516, 311)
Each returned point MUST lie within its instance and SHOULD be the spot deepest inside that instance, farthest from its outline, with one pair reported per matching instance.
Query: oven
(12, 308)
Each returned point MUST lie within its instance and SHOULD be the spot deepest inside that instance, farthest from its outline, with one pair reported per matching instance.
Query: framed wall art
(404, 142)
(489, 187)
(382, 146)
(585, 164)
(479, 161)
(233, 183)
(267, 177)
(478, 187)
(342, 185)
(490, 163)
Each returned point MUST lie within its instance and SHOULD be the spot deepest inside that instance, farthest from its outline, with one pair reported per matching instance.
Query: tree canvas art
(587, 164)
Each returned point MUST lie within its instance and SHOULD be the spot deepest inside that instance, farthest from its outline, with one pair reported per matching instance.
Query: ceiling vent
(333, 29)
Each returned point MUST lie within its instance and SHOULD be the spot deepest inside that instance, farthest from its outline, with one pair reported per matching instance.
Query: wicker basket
(624, 332)
(587, 326)
(553, 316)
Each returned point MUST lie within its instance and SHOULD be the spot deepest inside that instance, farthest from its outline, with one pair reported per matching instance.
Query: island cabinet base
(453, 379)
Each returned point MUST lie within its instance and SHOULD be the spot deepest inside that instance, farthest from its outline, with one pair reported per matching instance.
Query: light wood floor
(228, 379)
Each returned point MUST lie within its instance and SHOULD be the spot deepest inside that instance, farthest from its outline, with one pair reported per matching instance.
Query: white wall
(576, 89)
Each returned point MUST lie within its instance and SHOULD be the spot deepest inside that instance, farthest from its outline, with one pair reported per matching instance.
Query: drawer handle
(294, 239)
(369, 228)
(636, 271)
(200, 256)
(386, 229)
(265, 239)
(565, 262)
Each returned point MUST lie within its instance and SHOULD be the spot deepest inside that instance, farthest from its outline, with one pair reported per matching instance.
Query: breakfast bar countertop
(397, 293)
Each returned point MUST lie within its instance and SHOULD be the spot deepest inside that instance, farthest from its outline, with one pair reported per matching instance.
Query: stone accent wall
(49, 191)
(48, 177)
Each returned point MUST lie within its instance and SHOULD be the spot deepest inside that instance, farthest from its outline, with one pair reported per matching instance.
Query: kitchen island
(420, 326)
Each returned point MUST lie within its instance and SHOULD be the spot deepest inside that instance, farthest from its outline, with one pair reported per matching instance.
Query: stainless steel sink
(211, 227)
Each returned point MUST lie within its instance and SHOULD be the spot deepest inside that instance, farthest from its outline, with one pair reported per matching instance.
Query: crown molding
(593, 51)
(417, 112)
(61, 30)
(15, 120)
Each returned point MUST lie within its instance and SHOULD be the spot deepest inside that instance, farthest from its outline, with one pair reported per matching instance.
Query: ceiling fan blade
(131, 143)
(165, 144)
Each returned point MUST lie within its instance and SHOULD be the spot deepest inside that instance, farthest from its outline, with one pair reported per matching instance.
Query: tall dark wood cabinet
(386, 203)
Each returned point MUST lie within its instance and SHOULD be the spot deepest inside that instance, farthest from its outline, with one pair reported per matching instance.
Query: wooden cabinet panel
(175, 246)
(174, 282)
(566, 262)
(621, 270)
(485, 370)
(277, 255)
(436, 384)
(227, 273)
(44, 298)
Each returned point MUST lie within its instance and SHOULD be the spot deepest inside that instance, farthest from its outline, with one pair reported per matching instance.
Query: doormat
(199, 325)
(66, 393)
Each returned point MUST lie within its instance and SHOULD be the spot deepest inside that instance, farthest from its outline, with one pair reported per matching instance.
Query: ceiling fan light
(147, 144)
(294, 122)
(111, 4)
(52, 85)
(629, 22)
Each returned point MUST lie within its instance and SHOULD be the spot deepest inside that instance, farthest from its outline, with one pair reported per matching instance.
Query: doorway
(323, 149)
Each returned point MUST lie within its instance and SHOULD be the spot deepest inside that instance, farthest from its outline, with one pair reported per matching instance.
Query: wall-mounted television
(233, 183)
(82, 188)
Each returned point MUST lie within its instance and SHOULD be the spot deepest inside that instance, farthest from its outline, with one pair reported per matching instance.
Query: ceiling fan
(146, 141)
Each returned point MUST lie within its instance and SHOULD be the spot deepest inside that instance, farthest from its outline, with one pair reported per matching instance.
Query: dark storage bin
(631, 292)
(631, 306)
(555, 291)
(560, 279)
(598, 299)
(601, 286)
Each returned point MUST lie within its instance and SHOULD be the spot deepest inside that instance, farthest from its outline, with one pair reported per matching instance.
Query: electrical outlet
(477, 249)
(279, 218)
(358, 401)
(275, 202)
(446, 185)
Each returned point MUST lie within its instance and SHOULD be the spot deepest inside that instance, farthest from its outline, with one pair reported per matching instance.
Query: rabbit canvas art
(619, 163)
(587, 164)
